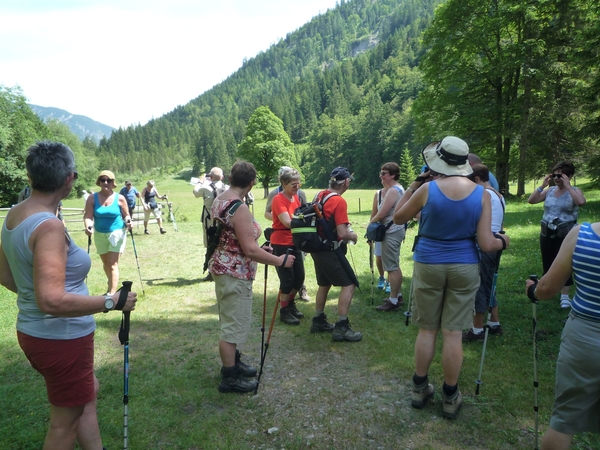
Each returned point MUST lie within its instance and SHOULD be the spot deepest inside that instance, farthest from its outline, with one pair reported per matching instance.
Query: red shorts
(66, 365)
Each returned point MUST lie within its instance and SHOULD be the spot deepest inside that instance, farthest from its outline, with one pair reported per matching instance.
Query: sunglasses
(557, 175)
(105, 180)
(382, 173)
(75, 175)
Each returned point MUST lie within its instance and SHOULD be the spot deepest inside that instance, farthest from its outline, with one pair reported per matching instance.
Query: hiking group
(456, 256)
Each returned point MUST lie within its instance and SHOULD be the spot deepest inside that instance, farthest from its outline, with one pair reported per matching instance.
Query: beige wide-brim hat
(448, 157)
(107, 174)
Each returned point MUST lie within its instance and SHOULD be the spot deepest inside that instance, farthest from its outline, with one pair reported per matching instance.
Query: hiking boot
(163, 231)
(246, 370)
(421, 395)
(303, 294)
(233, 381)
(146, 232)
(381, 283)
(496, 329)
(297, 314)
(388, 288)
(472, 336)
(320, 325)
(389, 306)
(208, 277)
(286, 315)
(343, 332)
(450, 406)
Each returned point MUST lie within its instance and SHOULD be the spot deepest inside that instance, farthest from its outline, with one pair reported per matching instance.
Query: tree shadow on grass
(177, 282)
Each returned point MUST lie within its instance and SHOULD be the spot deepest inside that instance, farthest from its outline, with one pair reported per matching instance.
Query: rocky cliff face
(81, 126)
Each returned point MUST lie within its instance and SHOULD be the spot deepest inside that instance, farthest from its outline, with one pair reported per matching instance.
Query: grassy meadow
(314, 393)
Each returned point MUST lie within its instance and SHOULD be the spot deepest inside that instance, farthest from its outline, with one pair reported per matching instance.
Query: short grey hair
(48, 165)
(288, 176)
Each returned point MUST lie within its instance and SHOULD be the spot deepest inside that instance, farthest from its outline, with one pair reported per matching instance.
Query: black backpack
(311, 233)
(213, 232)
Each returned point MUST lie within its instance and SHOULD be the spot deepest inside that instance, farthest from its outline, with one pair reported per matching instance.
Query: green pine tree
(407, 168)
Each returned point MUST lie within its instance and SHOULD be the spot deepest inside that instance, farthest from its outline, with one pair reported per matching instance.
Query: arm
(49, 247)
(162, 197)
(576, 194)
(268, 206)
(88, 215)
(243, 225)
(411, 202)
(388, 203)
(6, 277)
(537, 196)
(344, 232)
(374, 207)
(485, 238)
(125, 211)
(561, 269)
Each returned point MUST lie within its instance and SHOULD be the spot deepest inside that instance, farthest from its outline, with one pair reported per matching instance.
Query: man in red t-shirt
(329, 270)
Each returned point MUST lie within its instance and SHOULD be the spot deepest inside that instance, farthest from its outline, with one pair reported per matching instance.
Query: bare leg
(227, 353)
(62, 433)
(110, 263)
(345, 300)
(478, 319)
(494, 316)
(379, 264)
(88, 432)
(452, 356)
(565, 290)
(321, 297)
(145, 225)
(395, 278)
(553, 440)
(424, 350)
(159, 222)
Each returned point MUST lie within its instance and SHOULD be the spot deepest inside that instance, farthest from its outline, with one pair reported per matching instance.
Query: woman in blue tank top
(55, 323)
(455, 214)
(107, 218)
(577, 392)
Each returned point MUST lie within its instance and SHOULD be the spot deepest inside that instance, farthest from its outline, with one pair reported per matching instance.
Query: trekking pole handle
(531, 289)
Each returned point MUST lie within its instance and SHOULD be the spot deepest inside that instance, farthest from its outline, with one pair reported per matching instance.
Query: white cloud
(124, 62)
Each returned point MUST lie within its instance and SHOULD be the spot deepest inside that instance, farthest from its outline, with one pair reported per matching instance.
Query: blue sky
(123, 62)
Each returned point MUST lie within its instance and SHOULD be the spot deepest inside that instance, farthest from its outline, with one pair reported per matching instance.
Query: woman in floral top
(233, 266)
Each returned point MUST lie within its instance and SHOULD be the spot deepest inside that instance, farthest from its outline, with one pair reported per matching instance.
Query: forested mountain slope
(342, 84)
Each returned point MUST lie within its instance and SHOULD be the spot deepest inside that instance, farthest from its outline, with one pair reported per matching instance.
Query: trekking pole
(408, 312)
(530, 294)
(137, 261)
(171, 216)
(124, 339)
(478, 382)
(266, 346)
(268, 233)
(89, 246)
(372, 272)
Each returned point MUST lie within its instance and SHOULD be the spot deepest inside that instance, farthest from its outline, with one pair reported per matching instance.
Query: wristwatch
(109, 303)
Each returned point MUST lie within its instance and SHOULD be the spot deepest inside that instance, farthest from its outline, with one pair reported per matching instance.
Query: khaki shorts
(155, 211)
(577, 392)
(444, 295)
(234, 301)
(390, 250)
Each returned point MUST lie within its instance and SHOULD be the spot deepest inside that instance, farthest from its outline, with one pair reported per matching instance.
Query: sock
(564, 297)
(393, 300)
(493, 324)
(284, 303)
(420, 381)
(450, 390)
(342, 318)
(319, 313)
(477, 330)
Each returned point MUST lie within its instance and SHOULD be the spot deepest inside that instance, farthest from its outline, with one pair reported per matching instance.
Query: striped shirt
(586, 268)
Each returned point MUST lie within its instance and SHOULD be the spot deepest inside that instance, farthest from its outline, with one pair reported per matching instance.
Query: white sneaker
(565, 302)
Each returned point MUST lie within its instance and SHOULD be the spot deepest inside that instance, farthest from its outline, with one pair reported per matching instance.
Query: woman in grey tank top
(561, 208)
(55, 324)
